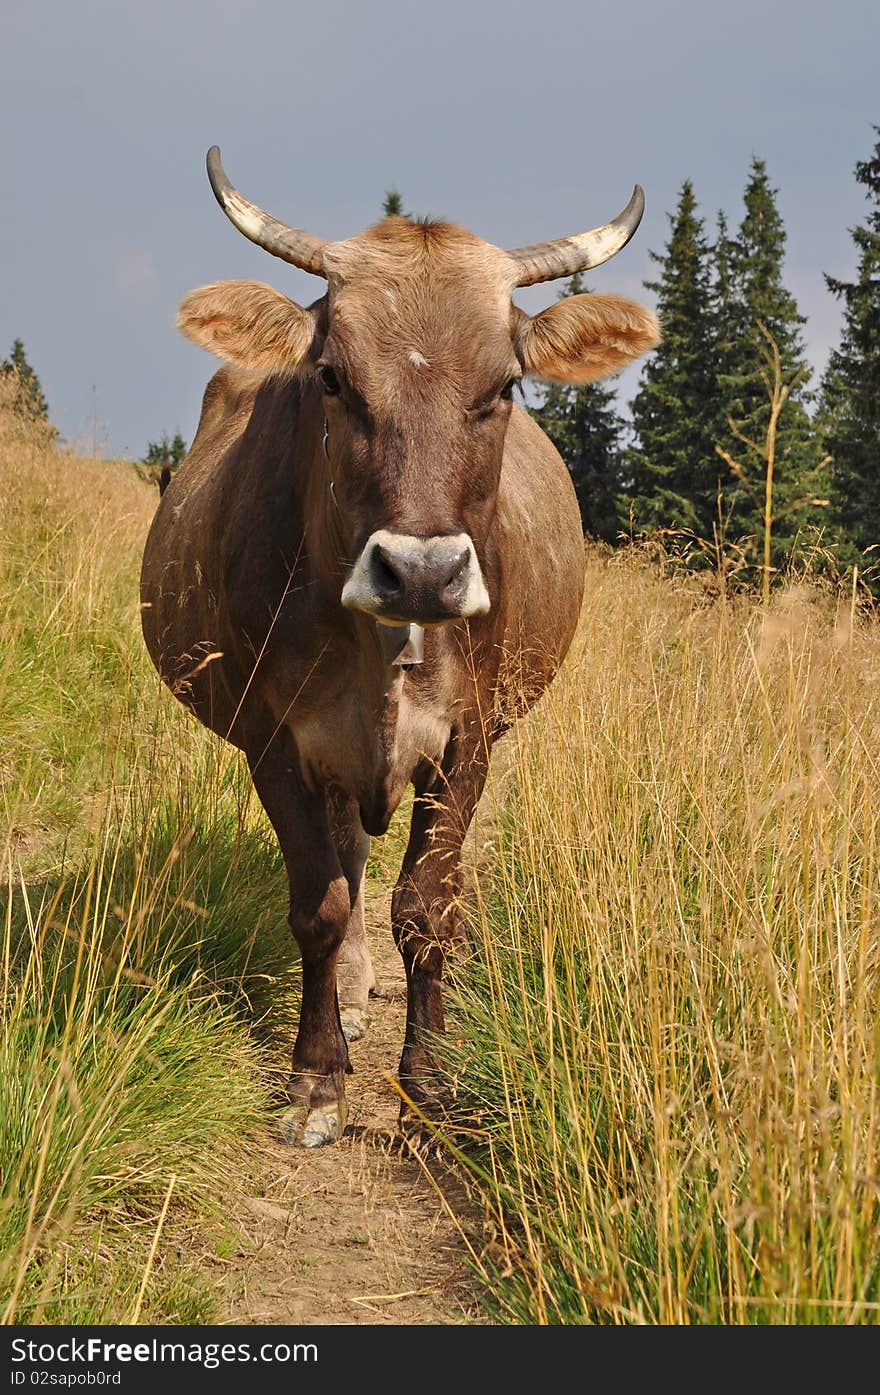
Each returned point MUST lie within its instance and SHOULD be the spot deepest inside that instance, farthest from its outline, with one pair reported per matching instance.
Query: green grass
(145, 956)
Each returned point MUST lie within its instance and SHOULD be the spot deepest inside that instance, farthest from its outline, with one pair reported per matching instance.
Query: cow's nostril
(455, 567)
(386, 578)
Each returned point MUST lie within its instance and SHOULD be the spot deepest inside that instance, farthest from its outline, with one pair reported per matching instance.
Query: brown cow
(369, 563)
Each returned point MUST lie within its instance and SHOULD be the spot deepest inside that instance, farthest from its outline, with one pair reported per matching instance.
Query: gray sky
(520, 121)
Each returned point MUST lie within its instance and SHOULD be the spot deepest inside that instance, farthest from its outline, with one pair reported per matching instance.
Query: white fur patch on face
(418, 360)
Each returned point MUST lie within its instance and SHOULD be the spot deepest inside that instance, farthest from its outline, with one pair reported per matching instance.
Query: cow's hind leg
(320, 909)
(355, 980)
(424, 907)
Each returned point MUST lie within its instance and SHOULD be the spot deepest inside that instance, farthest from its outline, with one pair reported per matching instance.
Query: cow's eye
(506, 392)
(329, 381)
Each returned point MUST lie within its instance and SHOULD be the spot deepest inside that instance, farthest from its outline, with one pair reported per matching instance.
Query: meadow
(664, 1037)
(668, 1035)
(142, 920)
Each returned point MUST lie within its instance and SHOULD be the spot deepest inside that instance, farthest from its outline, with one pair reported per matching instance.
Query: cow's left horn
(545, 261)
(291, 244)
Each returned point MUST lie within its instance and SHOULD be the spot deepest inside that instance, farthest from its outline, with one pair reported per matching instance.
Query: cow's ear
(585, 337)
(250, 325)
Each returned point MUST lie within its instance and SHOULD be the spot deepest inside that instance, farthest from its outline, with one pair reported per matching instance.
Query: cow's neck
(352, 653)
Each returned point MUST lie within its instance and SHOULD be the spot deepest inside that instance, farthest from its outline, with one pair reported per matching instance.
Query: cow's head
(416, 350)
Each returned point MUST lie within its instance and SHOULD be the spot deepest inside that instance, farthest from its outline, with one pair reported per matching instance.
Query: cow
(369, 565)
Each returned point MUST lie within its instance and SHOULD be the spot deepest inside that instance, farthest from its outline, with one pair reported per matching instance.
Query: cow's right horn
(290, 244)
(546, 261)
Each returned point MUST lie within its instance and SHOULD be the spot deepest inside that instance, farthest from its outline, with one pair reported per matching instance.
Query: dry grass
(671, 1026)
(668, 1037)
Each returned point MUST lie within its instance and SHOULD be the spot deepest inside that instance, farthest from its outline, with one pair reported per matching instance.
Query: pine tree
(585, 428)
(31, 399)
(165, 452)
(727, 312)
(753, 303)
(850, 407)
(392, 204)
(673, 467)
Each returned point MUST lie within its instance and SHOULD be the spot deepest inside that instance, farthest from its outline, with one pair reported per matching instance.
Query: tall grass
(666, 1048)
(142, 930)
(668, 1036)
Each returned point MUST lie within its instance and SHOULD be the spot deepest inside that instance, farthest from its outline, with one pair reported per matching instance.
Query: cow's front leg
(320, 908)
(424, 907)
(355, 980)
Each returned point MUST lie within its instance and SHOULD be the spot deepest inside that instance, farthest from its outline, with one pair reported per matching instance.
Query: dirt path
(354, 1233)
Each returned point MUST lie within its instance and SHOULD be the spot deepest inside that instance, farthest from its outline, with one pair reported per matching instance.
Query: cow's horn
(291, 244)
(545, 261)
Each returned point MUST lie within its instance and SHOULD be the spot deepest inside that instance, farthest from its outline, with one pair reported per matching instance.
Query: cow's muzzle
(411, 580)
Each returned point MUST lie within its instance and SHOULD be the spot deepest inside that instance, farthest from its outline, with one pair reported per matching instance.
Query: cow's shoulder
(227, 407)
(229, 393)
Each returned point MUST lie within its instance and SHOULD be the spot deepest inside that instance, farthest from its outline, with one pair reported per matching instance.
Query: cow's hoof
(425, 1107)
(313, 1128)
(354, 1023)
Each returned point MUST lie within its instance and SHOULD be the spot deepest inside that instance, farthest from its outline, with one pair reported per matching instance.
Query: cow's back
(542, 546)
(183, 589)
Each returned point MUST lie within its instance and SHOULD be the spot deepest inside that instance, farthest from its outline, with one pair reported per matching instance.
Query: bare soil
(364, 1231)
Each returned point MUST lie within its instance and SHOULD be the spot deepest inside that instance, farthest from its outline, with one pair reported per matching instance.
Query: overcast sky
(520, 121)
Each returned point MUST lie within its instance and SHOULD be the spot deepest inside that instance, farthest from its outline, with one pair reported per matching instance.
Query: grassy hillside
(141, 921)
(671, 1022)
(665, 1043)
